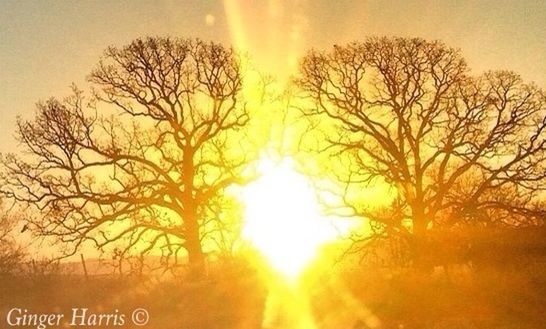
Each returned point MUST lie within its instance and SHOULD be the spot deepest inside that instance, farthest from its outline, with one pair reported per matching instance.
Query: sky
(47, 45)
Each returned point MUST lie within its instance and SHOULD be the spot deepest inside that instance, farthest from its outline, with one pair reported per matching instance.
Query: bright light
(283, 219)
(209, 20)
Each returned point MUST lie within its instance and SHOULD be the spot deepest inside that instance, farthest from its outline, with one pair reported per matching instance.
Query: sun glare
(283, 218)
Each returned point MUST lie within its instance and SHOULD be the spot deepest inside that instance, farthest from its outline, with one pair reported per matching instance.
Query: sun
(283, 219)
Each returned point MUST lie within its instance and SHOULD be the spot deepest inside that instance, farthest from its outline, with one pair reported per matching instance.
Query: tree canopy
(144, 164)
(452, 147)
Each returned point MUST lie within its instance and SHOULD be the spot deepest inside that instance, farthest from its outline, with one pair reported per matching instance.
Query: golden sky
(47, 45)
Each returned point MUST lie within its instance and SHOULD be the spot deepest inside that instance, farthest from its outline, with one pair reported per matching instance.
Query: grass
(233, 296)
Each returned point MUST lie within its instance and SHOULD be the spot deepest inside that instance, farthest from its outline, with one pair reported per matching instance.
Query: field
(234, 296)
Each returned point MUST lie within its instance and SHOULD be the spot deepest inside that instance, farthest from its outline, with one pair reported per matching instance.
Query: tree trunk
(420, 245)
(196, 258)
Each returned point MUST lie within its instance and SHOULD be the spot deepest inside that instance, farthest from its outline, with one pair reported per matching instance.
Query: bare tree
(453, 147)
(12, 253)
(146, 162)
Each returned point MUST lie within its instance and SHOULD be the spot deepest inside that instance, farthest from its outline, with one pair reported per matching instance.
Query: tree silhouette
(12, 253)
(149, 171)
(453, 147)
